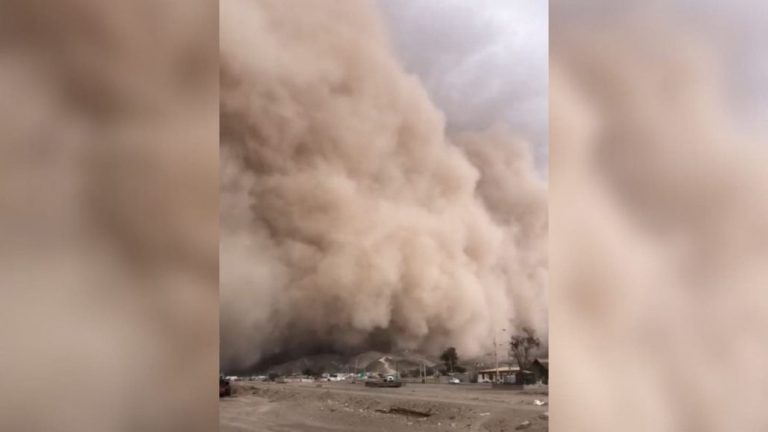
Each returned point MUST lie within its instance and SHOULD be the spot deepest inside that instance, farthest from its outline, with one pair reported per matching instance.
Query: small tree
(522, 346)
(450, 358)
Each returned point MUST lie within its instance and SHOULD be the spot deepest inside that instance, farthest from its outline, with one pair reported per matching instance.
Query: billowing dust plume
(349, 220)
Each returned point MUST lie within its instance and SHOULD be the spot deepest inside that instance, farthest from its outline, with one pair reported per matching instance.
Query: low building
(506, 375)
(497, 375)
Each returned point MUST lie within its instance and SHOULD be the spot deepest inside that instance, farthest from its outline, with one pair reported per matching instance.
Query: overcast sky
(482, 61)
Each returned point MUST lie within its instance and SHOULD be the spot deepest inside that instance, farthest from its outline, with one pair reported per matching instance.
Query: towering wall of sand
(349, 220)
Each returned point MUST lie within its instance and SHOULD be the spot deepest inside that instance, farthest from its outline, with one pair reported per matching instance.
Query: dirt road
(347, 407)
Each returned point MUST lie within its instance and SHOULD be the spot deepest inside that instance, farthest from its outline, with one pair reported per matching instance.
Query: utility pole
(496, 353)
(504, 337)
(495, 358)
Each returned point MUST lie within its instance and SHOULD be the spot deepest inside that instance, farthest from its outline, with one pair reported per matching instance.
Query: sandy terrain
(298, 407)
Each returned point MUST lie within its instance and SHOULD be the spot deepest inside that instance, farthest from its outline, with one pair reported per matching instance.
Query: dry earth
(271, 407)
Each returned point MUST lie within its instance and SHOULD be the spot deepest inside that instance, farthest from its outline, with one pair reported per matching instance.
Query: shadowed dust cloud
(349, 220)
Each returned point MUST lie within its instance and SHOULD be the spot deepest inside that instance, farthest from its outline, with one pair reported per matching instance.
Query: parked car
(384, 383)
(225, 387)
(454, 380)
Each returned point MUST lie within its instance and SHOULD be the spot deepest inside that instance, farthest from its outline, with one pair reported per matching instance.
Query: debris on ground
(524, 425)
(405, 412)
(431, 408)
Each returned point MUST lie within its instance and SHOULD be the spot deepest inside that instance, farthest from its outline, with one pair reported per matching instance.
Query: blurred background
(108, 215)
(658, 211)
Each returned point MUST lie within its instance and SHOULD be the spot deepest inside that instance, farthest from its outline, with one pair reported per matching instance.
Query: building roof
(501, 369)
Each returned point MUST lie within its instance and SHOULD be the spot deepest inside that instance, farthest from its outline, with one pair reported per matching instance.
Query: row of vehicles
(371, 380)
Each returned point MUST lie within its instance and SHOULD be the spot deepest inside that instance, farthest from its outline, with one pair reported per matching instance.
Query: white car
(454, 380)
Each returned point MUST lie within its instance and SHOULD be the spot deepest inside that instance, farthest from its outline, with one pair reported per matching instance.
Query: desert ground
(325, 407)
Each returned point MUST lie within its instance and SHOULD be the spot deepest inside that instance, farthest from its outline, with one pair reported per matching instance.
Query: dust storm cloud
(349, 220)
